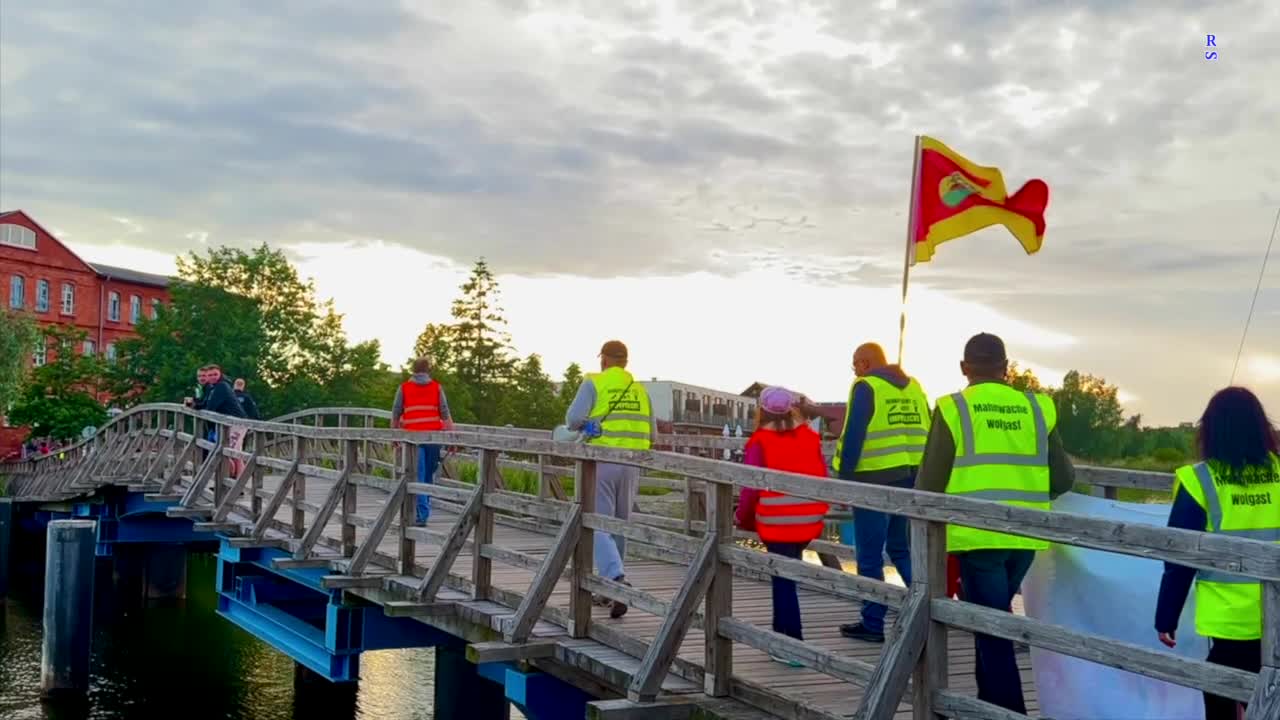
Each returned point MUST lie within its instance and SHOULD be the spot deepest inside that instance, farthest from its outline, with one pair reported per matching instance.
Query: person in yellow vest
(881, 443)
(994, 442)
(613, 410)
(1233, 490)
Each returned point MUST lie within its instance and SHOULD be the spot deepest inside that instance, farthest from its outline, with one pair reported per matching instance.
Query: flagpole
(910, 245)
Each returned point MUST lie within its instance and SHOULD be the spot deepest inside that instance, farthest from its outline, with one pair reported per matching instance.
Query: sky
(722, 184)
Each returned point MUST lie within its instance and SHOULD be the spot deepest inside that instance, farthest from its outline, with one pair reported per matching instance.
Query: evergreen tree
(481, 348)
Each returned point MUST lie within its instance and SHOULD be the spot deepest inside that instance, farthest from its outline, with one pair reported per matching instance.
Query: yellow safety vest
(898, 428)
(1002, 453)
(630, 424)
(1243, 505)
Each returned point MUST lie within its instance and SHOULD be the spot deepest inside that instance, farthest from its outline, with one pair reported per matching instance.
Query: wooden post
(400, 464)
(481, 566)
(719, 649)
(255, 487)
(929, 572)
(584, 491)
(68, 607)
(350, 461)
(543, 490)
(299, 488)
(1265, 703)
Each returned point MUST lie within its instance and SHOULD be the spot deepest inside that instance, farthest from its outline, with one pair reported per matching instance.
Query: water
(170, 662)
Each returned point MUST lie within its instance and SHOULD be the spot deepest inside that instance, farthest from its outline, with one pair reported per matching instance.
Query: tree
(17, 341)
(532, 400)
(569, 386)
(60, 399)
(1089, 416)
(482, 360)
(1023, 379)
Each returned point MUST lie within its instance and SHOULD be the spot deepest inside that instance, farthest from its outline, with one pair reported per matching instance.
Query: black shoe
(858, 631)
(619, 608)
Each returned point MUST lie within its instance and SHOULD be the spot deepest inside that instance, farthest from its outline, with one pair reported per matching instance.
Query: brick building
(41, 276)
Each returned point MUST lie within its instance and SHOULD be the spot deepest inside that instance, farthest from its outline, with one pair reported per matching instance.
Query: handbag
(562, 433)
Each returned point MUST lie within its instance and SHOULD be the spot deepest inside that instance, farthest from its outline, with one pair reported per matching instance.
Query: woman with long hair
(1233, 490)
(785, 524)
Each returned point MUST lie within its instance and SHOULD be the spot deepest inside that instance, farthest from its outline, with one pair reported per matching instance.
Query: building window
(68, 299)
(89, 348)
(17, 236)
(17, 292)
(155, 308)
(41, 354)
(113, 307)
(135, 309)
(42, 296)
(111, 352)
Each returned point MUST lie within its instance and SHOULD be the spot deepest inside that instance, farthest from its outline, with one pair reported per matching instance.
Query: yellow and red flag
(955, 197)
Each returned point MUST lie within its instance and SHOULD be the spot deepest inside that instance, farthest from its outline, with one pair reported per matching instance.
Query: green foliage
(17, 340)
(1023, 378)
(60, 398)
(484, 381)
(251, 313)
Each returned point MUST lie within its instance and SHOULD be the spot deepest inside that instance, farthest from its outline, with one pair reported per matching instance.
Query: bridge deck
(822, 613)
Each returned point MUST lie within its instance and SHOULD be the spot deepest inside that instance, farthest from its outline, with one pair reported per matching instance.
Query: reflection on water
(171, 662)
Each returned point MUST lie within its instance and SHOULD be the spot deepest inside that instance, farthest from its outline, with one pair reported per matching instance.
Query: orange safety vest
(782, 518)
(421, 406)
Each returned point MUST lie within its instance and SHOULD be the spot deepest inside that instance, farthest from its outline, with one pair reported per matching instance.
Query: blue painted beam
(538, 695)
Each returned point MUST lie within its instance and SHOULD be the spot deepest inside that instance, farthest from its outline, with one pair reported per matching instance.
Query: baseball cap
(614, 349)
(984, 349)
(776, 400)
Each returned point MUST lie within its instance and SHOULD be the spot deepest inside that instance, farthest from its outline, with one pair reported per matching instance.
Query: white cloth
(1114, 596)
(616, 487)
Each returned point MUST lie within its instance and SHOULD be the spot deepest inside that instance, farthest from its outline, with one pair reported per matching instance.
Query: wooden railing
(162, 449)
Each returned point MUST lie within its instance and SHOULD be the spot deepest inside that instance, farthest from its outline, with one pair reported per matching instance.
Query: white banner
(1113, 596)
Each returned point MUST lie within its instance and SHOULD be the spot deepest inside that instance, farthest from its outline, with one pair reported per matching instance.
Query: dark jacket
(940, 456)
(248, 405)
(1185, 514)
(218, 397)
(861, 407)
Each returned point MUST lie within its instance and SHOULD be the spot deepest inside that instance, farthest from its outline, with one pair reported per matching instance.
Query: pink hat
(776, 400)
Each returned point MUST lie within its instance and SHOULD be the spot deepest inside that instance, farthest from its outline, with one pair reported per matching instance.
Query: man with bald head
(885, 428)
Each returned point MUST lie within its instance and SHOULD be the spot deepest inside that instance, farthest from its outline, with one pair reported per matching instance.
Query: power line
(1256, 291)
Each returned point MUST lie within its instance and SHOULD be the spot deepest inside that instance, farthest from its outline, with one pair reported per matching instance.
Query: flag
(955, 197)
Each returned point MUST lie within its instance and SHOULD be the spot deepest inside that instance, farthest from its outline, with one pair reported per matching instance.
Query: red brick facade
(41, 276)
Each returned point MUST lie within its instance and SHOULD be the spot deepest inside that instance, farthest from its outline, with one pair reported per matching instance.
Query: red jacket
(775, 516)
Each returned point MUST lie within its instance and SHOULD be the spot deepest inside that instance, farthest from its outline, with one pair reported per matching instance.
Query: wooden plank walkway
(822, 613)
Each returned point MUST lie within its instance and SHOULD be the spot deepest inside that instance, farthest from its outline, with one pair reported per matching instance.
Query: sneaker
(858, 631)
(618, 608)
(601, 600)
(785, 661)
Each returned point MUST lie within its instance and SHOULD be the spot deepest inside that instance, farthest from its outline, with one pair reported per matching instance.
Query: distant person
(246, 400)
(881, 443)
(992, 442)
(218, 397)
(420, 406)
(785, 524)
(1239, 465)
(613, 410)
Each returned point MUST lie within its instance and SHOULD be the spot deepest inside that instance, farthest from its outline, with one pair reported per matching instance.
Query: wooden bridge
(512, 572)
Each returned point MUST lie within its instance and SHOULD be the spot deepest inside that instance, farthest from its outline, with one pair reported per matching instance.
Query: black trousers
(1238, 654)
(991, 578)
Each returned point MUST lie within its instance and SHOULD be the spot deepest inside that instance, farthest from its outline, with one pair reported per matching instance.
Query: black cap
(985, 349)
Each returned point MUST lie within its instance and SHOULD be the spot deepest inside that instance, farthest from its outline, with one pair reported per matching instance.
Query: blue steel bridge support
(538, 695)
(290, 610)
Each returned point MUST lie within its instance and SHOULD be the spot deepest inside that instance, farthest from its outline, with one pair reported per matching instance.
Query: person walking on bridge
(881, 443)
(785, 524)
(420, 406)
(993, 442)
(1234, 490)
(613, 410)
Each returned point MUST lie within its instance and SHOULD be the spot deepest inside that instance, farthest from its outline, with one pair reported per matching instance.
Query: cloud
(660, 140)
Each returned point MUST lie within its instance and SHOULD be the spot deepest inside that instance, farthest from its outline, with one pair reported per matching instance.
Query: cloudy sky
(720, 183)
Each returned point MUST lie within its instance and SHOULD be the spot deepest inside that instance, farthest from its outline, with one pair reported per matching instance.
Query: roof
(136, 277)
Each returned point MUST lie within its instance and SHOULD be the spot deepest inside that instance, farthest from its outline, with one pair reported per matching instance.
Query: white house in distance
(692, 409)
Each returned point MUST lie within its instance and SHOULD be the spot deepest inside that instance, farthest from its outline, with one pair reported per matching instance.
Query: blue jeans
(428, 461)
(875, 532)
(786, 603)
